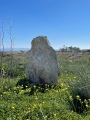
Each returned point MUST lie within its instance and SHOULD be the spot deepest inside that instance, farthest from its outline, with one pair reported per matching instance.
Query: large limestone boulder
(42, 67)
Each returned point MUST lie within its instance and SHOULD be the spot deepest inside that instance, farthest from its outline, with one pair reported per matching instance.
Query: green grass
(17, 103)
(21, 100)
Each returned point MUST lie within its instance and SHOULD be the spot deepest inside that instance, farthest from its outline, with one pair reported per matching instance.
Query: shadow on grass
(33, 87)
(24, 83)
(81, 106)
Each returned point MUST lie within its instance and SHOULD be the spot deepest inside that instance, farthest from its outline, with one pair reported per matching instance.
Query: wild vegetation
(69, 100)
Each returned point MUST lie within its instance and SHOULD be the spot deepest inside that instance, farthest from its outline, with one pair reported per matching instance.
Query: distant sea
(15, 49)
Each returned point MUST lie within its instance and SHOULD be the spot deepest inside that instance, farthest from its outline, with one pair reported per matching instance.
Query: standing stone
(42, 67)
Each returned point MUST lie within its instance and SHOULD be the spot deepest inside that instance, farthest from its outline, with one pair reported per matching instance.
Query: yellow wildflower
(85, 100)
(78, 97)
(55, 115)
(36, 98)
(66, 88)
(62, 84)
(56, 90)
(63, 89)
(89, 100)
(74, 77)
(86, 105)
(4, 92)
(27, 112)
(34, 106)
(40, 104)
(34, 86)
(45, 117)
(43, 102)
(70, 98)
(13, 107)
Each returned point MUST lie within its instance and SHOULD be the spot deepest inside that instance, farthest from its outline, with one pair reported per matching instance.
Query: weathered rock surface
(42, 67)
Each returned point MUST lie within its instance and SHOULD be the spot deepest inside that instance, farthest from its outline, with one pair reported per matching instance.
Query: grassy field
(69, 100)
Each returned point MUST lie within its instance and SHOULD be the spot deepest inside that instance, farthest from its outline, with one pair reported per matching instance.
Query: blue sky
(64, 22)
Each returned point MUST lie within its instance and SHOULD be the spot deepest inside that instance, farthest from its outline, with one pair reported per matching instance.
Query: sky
(64, 22)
